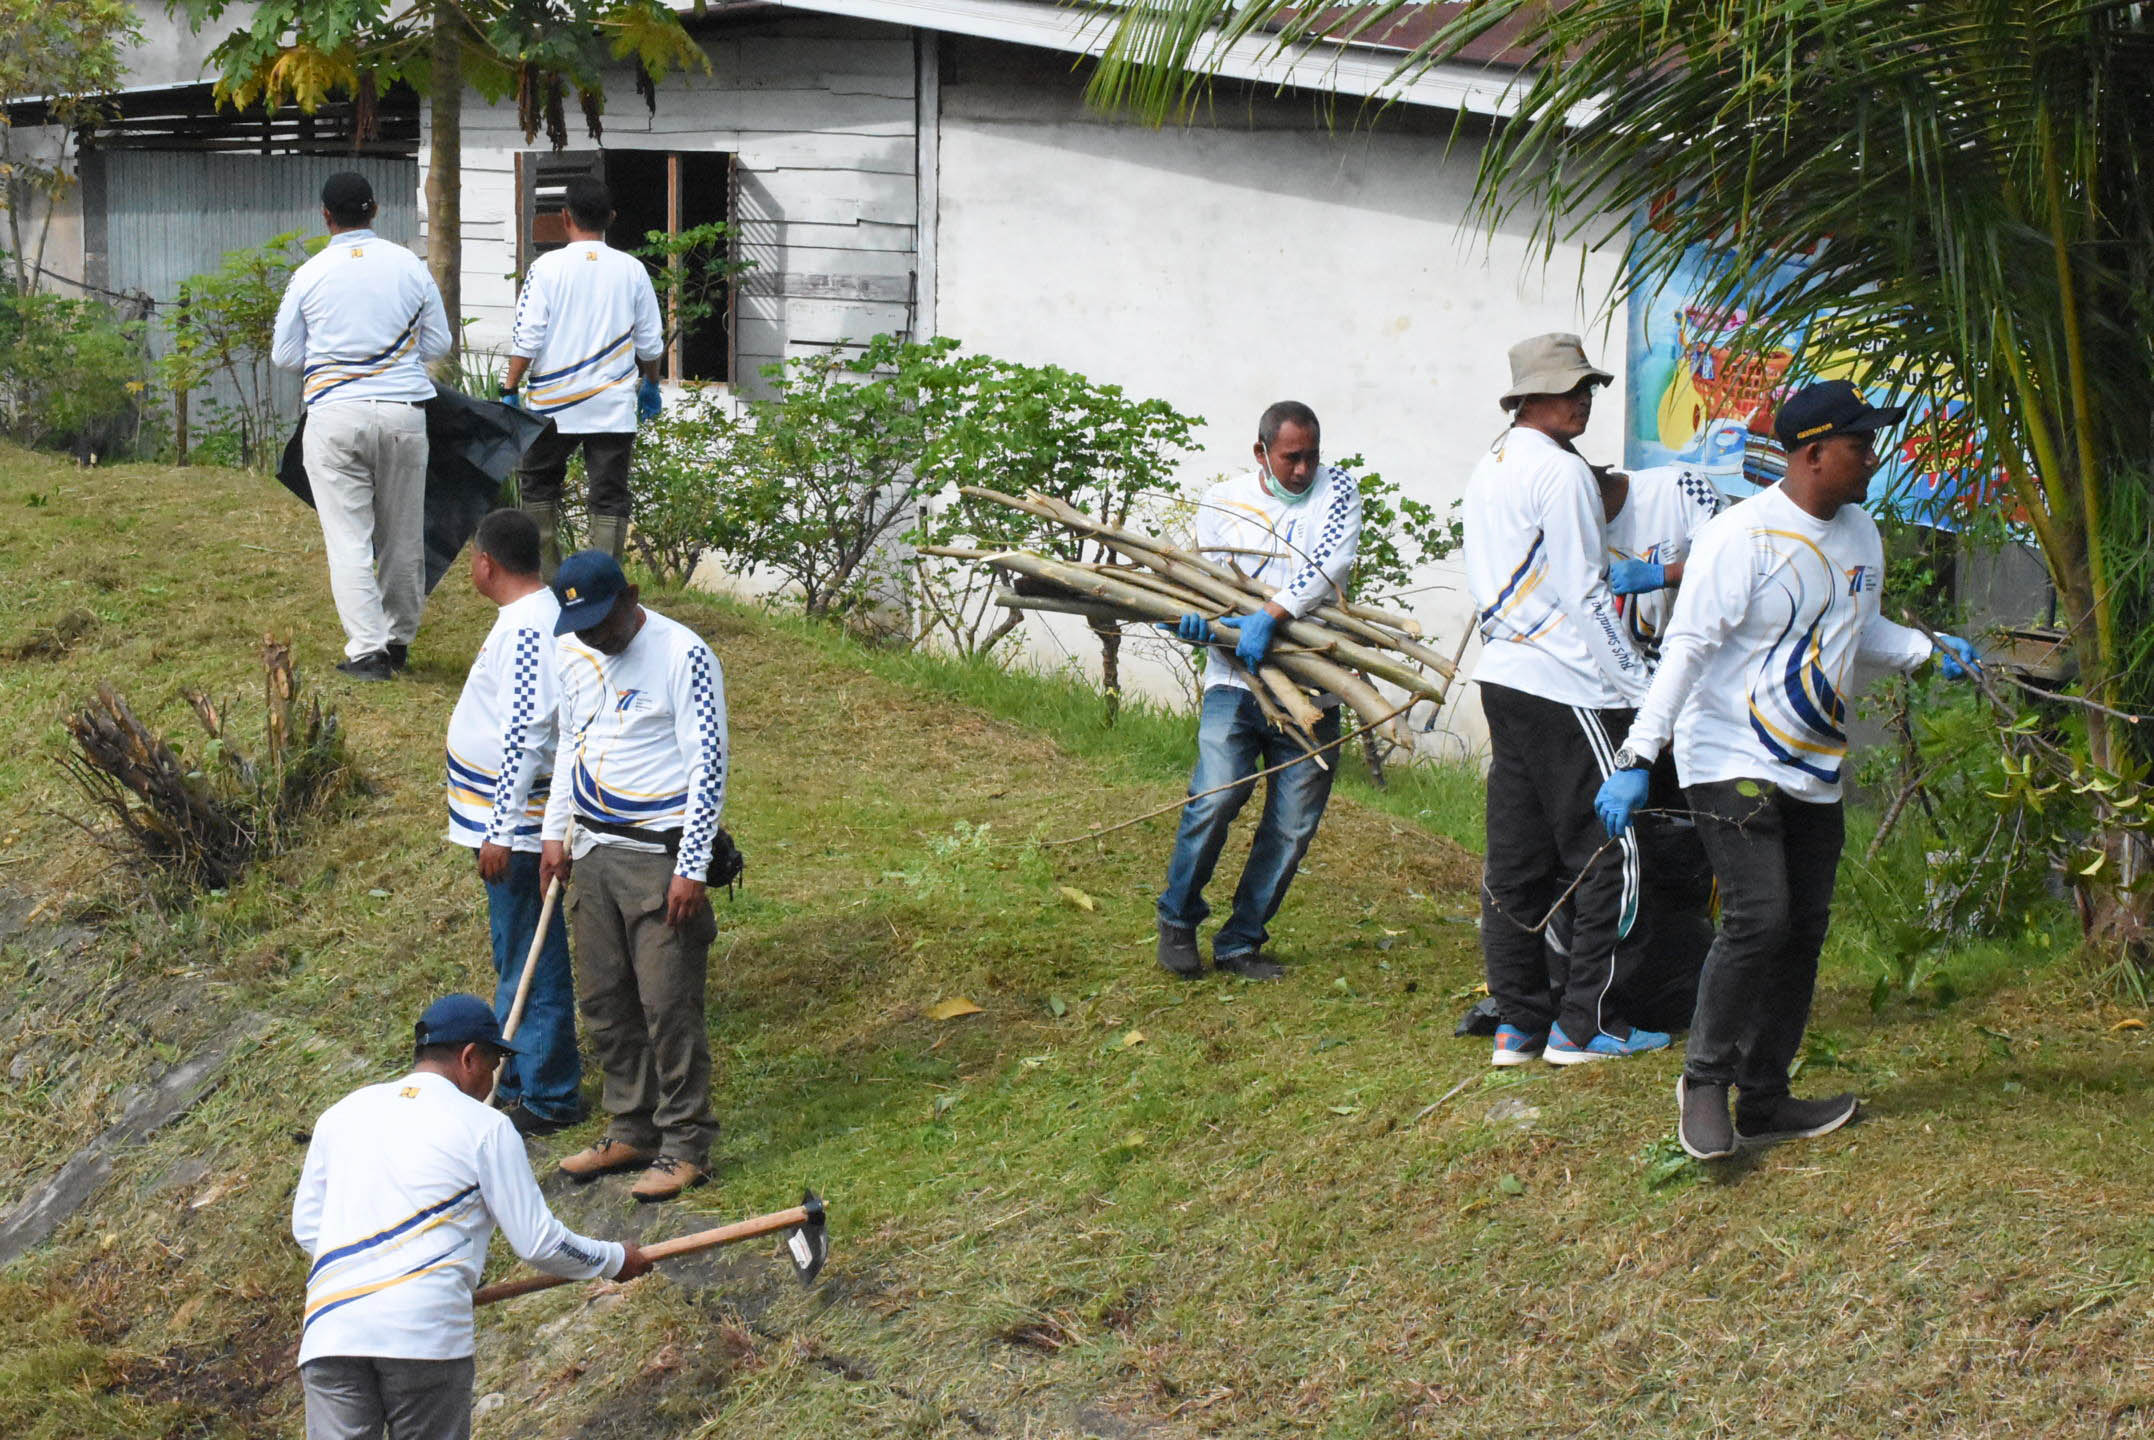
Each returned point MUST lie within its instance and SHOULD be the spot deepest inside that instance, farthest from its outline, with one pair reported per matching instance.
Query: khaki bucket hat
(1550, 365)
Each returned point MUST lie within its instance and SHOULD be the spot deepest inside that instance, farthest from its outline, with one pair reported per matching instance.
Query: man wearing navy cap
(642, 769)
(1779, 599)
(403, 1185)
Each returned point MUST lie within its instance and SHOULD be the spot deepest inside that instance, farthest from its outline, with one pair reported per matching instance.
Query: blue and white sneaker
(1515, 1046)
(1561, 1050)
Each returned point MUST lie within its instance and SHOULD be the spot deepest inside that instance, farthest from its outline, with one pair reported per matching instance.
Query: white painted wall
(1261, 257)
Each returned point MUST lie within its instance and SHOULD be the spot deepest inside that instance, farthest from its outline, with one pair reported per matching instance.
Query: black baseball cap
(1830, 407)
(587, 584)
(461, 1020)
(345, 191)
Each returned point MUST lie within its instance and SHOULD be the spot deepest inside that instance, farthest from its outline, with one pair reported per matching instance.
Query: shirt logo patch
(409, 1092)
(625, 699)
(358, 251)
(1861, 578)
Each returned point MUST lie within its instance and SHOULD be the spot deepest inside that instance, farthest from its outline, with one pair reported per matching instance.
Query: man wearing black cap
(1557, 677)
(403, 1185)
(1779, 599)
(360, 321)
(642, 770)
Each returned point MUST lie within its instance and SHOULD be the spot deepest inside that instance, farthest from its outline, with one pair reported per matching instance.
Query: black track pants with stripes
(1547, 762)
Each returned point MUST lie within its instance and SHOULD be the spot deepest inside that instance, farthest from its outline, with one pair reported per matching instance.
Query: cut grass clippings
(1299, 1209)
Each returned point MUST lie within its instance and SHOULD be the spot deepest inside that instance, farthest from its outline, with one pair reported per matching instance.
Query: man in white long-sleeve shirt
(642, 770)
(1557, 676)
(403, 1186)
(587, 326)
(1293, 524)
(500, 768)
(360, 321)
(1779, 600)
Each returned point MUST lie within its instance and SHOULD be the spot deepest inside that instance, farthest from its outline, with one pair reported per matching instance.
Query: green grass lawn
(1111, 1203)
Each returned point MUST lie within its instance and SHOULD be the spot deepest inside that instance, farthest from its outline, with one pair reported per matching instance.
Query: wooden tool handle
(731, 1234)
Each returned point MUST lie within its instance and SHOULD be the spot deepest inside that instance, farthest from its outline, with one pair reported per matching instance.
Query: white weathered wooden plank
(771, 233)
(833, 260)
(823, 150)
(788, 110)
(822, 322)
(828, 285)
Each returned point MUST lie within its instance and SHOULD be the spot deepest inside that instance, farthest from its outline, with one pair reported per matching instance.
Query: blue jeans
(545, 1074)
(1233, 743)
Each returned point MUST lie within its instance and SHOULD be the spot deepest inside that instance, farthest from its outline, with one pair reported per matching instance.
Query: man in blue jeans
(500, 760)
(1294, 525)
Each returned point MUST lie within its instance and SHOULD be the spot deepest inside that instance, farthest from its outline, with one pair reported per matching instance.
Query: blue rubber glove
(1636, 577)
(648, 401)
(1956, 657)
(1195, 629)
(1256, 636)
(1620, 796)
(512, 399)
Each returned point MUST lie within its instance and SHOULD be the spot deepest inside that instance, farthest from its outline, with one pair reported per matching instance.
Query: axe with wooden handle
(808, 1246)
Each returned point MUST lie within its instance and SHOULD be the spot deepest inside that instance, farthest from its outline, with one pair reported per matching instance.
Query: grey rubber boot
(610, 534)
(547, 518)
(1178, 951)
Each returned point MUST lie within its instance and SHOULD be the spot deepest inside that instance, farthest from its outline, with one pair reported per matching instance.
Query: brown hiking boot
(604, 1158)
(668, 1176)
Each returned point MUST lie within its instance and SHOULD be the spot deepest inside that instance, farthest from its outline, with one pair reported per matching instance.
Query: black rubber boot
(1178, 951)
(1787, 1118)
(1702, 1122)
(1250, 965)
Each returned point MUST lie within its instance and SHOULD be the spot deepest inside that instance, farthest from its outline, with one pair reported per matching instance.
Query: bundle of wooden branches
(201, 823)
(1340, 648)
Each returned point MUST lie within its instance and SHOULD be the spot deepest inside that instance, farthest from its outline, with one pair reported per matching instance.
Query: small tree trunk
(1373, 753)
(444, 172)
(1110, 667)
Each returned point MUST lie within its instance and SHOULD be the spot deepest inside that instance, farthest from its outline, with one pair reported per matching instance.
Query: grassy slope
(1250, 1222)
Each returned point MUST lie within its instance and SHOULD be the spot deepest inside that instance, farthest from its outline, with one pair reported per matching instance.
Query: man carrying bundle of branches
(1293, 525)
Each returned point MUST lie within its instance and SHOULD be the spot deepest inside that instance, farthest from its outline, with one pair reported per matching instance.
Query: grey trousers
(366, 1397)
(366, 460)
(639, 984)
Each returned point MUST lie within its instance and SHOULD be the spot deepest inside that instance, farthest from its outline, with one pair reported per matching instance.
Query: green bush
(686, 462)
(224, 324)
(72, 374)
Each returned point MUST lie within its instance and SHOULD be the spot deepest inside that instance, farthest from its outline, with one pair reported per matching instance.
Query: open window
(667, 191)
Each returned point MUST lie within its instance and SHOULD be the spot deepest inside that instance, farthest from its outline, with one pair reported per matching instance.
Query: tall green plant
(65, 54)
(224, 323)
(1965, 184)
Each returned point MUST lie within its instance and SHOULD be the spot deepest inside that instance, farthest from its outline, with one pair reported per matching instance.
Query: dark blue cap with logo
(1830, 407)
(587, 584)
(461, 1020)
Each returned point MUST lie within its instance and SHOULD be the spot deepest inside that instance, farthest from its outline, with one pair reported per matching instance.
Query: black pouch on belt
(726, 863)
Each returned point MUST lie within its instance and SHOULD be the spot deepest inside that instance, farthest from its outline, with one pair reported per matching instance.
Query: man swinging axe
(1779, 599)
(403, 1186)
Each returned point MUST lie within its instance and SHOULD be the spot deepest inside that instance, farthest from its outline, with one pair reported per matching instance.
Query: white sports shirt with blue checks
(1302, 551)
(1666, 506)
(642, 742)
(501, 738)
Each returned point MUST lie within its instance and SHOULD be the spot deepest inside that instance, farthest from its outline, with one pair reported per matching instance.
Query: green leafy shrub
(224, 324)
(687, 462)
(72, 374)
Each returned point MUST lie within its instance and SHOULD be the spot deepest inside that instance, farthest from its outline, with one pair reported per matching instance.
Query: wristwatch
(1629, 759)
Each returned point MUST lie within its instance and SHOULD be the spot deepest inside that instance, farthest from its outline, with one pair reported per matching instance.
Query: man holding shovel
(642, 773)
(402, 1188)
(500, 765)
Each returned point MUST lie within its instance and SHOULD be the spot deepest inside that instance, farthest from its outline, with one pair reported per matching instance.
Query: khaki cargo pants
(639, 984)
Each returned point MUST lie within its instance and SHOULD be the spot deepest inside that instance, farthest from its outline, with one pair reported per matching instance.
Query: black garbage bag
(472, 445)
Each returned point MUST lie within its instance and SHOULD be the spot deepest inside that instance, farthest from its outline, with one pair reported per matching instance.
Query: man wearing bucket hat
(642, 769)
(360, 321)
(1779, 600)
(403, 1186)
(1557, 677)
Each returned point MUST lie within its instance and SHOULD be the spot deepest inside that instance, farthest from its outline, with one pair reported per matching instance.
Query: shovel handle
(731, 1234)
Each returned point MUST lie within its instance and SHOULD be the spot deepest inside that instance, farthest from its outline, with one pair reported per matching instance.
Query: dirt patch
(51, 641)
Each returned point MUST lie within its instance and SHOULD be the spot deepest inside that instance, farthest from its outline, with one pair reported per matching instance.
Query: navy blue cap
(461, 1020)
(1830, 407)
(587, 584)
